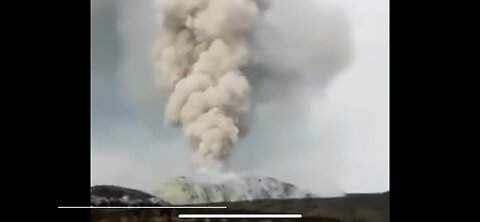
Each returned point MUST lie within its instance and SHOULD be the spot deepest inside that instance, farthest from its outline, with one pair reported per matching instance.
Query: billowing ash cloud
(200, 55)
(292, 59)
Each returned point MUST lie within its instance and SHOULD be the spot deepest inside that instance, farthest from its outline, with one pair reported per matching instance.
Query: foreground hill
(352, 207)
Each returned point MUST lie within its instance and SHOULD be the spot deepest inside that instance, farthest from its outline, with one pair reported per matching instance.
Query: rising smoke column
(199, 56)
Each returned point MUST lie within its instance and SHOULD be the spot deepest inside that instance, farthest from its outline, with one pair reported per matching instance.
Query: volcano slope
(372, 207)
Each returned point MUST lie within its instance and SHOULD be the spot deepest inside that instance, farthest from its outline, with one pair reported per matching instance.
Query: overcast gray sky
(339, 142)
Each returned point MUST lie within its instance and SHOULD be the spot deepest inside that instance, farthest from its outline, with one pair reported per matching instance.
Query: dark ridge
(109, 195)
(111, 191)
(356, 208)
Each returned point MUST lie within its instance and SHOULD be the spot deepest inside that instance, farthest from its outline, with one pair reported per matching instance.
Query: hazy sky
(338, 142)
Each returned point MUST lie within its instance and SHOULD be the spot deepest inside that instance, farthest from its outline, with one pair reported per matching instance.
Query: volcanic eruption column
(199, 57)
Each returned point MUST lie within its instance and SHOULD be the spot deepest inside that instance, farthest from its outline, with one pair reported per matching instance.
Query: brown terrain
(351, 208)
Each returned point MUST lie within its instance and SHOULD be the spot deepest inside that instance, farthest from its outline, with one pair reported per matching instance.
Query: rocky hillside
(225, 187)
(353, 207)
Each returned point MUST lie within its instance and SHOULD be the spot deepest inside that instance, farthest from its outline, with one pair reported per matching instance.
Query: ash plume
(200, 57)
(296, 57)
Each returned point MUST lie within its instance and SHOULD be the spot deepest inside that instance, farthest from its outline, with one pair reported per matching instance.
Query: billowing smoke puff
(199, 56)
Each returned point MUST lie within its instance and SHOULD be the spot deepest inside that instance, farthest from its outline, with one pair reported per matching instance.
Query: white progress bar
(240, 216)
